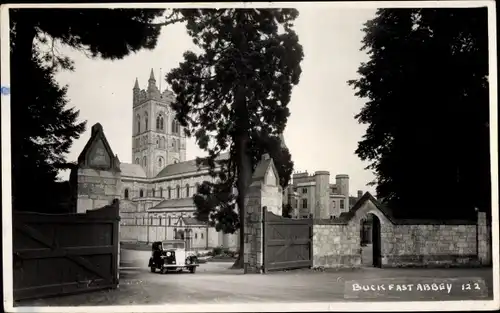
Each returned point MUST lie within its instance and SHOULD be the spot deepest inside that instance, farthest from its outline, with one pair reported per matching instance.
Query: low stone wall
(414, 245)
(335, 245)
(210, 238)
(336, 242)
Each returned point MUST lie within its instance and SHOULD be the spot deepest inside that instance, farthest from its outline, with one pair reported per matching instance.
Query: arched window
(169, 190)
(146, 121)
(144, 162)
(153, 192)
(187, 190)
(141, 193)
(161, 192)
(137, 161)
(138, 123)
(162, 123)
(160, 162)
(178, 191)
(126, 193)
(201, 235)
(177, 128)
(195, 235)
(151, 220)
(158, 122)
(173, 126)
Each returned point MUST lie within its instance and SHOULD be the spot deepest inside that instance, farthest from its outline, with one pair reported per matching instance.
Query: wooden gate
(287, 242)
(56, 254)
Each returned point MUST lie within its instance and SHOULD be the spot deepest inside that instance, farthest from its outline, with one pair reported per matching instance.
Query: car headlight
(168, 253)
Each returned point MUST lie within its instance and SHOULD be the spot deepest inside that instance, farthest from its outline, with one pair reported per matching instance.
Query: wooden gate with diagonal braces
(56, 254)
(287, 242)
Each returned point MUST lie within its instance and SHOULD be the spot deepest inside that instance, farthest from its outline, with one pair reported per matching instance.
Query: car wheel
(192, 269)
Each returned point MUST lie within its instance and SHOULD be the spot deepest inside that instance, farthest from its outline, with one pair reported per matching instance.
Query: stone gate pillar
(263, 191)
(483, 239)
(98, 176)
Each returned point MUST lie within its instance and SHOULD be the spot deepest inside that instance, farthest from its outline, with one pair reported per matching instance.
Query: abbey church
(156, 190)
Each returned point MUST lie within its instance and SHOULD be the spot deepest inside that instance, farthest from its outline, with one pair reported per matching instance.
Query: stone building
(156, 190)
(313, 194)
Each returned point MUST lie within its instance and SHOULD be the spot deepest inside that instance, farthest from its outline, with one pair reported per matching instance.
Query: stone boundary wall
(150, 233)
(336, 242)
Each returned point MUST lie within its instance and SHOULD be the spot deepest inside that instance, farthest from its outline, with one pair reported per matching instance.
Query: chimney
(360, 194)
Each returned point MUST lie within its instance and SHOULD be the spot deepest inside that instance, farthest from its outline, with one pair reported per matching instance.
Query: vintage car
(171, 255)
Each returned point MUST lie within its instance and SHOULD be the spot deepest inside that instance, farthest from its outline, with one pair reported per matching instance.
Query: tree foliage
(43, 126)
(235, 92)
(427, 110)
(215, 200)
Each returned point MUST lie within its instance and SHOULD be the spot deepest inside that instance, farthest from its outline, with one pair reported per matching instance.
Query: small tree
(236, 90)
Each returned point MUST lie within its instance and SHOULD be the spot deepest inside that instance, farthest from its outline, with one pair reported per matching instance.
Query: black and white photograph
(250, 157)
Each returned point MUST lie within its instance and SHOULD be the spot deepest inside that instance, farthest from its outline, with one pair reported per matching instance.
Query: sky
(321, 132)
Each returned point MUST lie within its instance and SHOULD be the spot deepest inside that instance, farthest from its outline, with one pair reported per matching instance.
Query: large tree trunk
(21, 64)
(243, 166)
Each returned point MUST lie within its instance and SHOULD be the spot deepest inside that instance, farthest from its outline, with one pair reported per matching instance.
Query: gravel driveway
(216, 283)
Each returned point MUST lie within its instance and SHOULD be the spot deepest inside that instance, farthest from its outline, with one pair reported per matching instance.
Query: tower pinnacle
(136, 85)
(152, 76)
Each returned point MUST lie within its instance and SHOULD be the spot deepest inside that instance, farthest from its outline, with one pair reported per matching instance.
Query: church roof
(175, 204)
(132, 170)
(191, 221)
(184, 167)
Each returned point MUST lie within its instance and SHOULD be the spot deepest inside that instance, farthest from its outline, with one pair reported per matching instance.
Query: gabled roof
(132, 170)
(368, 197)
(185, 167)
(261, 170)
(173, 204)
(95, 144)
(191, 221)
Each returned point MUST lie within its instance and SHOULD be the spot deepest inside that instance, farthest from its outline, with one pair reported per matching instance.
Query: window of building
(141, 193)
(151, 220)
(304, 190)
(304, 203)
(195, 235)
(334, 204)
(169, 191)
(341, 204)
(138, 124)
(146, 121)
(159, 221)
(144, 162)
(178, 191)
(161, 192)
(178, 144)
(160, 162)
(196, 187)
(126, 193)
(201, 235)
(187, 190)
(153, 192)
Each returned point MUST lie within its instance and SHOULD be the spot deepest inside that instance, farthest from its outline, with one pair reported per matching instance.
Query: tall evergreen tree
(43, 127)
(236, 89)
(427, 110)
